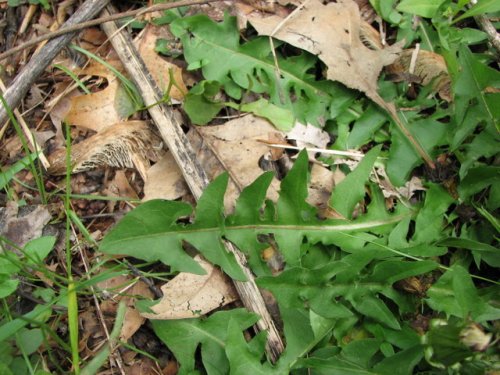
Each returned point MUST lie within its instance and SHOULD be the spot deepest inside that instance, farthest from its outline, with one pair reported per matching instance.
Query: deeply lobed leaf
(216, 49)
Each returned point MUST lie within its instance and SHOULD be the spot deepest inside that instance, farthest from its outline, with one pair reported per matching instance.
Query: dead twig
(38, 63)
(490, 30)
(83, 25)
(27, 133)
(193, 172)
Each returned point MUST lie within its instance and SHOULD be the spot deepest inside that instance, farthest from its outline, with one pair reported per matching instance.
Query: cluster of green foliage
(17, 334)
(338, 285)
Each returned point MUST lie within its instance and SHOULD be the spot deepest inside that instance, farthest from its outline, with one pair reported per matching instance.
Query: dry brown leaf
(12, 146)
(92, 39)
(332, 32)
(59, 106)
(142, 366)
(404, 192)
(102, 109)
(430, 68)
(234, 147)
(21, 225)
(320, 185)
(41, 137)
(237, 148)
(122, 146)
(264, 5)
(188, 295)
(164, 180)
(160, 69)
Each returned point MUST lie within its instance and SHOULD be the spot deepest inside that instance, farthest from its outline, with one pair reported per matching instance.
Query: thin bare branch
(98, 21)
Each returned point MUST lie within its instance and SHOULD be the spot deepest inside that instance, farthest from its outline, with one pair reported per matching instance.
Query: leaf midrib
(270, 227)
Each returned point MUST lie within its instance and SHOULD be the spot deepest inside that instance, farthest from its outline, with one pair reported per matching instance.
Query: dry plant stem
(27, 133)
(486, 25)
(27, 18)
(79, 26)
(413, 60)
(38, 63)
(193, 173)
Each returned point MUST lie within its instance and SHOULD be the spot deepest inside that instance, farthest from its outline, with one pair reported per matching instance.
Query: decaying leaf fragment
(188, 295)
(119, 146)
(123, 288)
(308, 136)
(22, 227)
(429, 68)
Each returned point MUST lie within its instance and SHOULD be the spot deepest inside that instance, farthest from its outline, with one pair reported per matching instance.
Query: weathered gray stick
(193, 172)
(38, 63)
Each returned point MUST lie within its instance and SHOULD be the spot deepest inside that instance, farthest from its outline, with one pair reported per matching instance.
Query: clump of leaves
(340, 275)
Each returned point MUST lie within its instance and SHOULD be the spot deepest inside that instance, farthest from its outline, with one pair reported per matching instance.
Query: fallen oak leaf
(333, 32)
(102, 109)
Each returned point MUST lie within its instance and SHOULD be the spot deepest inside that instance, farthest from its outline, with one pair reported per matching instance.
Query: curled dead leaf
(429, 68)
(119, 146)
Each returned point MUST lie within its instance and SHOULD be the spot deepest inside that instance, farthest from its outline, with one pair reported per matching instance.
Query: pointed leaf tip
(352, 189)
